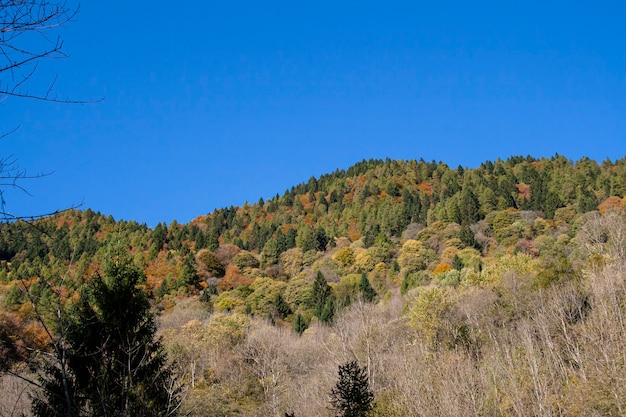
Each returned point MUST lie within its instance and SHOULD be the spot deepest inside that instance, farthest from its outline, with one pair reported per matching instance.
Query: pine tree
(457, 263)
(189, 276)
(111, 363)
(366, 289)
(552, 203)
(282, 307)
(467, 236)
(328, 312)
(469, 206)
(351, 396)
(321, 239)
(299, 324)
(323, 299)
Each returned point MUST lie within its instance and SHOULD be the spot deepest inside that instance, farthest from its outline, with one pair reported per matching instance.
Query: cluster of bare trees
(507, 348)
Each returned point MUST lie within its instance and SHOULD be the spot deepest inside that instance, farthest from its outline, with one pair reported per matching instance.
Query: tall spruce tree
(282, 307)
(111, 363)
(351, 395)
(323, 299)
(366, 289)
(299, 324)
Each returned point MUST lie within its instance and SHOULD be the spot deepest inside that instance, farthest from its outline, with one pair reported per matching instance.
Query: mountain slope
(500, 272)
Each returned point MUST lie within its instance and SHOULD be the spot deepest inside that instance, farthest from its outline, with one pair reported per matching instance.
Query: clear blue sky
(214, 103)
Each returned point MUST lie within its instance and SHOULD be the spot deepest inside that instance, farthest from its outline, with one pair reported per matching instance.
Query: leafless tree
(12, 176)
(27, 38)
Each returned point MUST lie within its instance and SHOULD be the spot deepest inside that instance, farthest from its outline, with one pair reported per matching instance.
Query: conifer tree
(282, 307)
(111, 363)
(366, 289)
(351, 395)
(189, 276)
(299, 324)
(467, 236)
(469, 206)
(457, 263)
(323, 299)
(328, 312)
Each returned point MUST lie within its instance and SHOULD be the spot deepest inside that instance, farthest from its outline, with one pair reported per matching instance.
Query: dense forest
(491, 291)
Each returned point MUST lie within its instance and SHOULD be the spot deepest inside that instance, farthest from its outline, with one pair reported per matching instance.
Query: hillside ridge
(499, 273)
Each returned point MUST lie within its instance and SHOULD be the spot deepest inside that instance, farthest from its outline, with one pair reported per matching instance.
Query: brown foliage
(612, 203)
(425, 187)
(523, 190)
(526, 247)
(226, 252)
(19, 339)
(233, 279)
(441, 268)
(353, 231)
(158, 270)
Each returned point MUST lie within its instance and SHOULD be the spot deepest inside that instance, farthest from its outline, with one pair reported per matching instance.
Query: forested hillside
(496, 290)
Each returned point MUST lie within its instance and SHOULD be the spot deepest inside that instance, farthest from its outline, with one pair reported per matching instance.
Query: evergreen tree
(159, 236)
(457, 263)
(410, 206)
(467, 236)
(189, 276)
(61, 243)
(369, 237)
(299, 324)
(321, 239)
(306, 238)
(282, 307)
(111, 364)
(351, 396)
(552, 203)
(322, 297)
(201, 241)
(585, 201)
(212, 239)
(290, 238)
(327, 313)
(270, 253)
(366, 289)
(468, 206)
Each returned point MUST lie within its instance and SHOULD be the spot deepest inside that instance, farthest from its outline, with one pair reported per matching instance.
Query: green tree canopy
(351, 395)
(109, 363)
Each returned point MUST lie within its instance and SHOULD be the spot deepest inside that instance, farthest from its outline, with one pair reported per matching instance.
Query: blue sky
(214, 103)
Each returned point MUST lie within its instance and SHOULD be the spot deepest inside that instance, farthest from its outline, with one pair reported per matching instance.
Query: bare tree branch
(27, 37)
(25, 28)
(8, 217)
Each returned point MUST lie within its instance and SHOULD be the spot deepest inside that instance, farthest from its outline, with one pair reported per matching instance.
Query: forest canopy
(486, 271)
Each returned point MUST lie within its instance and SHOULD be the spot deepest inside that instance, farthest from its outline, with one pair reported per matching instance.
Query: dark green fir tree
(109, 361)
(299, 324)
(351, 396)
(369, 294)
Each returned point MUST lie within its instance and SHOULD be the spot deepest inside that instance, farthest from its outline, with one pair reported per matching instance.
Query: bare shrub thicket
(504, 346)
(15, 398)
(510, 350)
